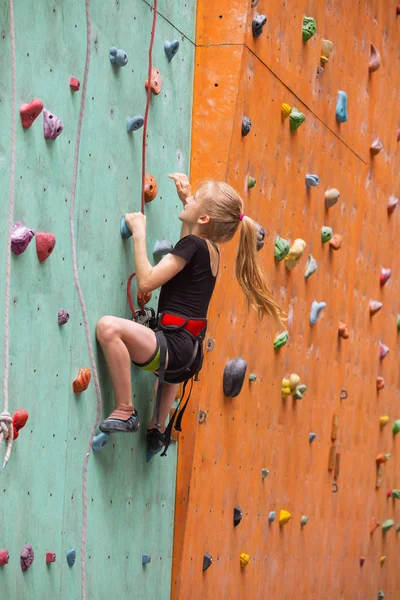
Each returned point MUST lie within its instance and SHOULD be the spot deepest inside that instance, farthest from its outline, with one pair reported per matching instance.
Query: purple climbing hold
(52, 125)
(63, 316)
(20, 237)
(383, 351)
(27, 557)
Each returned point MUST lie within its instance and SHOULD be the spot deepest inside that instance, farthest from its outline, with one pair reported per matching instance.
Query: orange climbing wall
(220, 461)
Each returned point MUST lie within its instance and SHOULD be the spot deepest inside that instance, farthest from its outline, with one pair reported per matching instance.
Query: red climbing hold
(45, 243)
(50, 557)
(4, 556)
(362, 560)
(385, 275)
(74, 84)
(389, 493)
(143, 298)
(397, 10)
(150, 188)
(29, 112)
(156, 81)
(19, 420)
(380, 383)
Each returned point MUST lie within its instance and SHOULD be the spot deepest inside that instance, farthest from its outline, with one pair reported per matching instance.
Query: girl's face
(192, 210)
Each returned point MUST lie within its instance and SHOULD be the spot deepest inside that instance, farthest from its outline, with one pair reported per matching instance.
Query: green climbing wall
(130, 503)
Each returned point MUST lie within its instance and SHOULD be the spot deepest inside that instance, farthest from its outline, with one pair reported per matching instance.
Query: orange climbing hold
(382, 458)
(336, 241)
(81, 383)
(143, 299)
(343, 330)
(156, 82)
(380, 383)
(374, 525)
(150, 188)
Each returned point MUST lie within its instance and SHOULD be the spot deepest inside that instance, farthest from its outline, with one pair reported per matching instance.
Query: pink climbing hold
(29, 112)
(45, 243)
(20, 237)
(398, 135)
(397, 10)
(383, 351)
(392, 204)
(74, 84)
(52, 125)
(27, 557)
(50, 557)
(4, 556)
(63, 316)
(362, 560)
(385, 275)
(374, 307)
(389, 493)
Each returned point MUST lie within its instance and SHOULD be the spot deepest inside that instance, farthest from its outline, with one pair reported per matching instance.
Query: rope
(6, 428)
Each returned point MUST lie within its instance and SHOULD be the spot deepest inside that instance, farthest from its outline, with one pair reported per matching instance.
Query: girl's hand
(183, 187)
(137, 224)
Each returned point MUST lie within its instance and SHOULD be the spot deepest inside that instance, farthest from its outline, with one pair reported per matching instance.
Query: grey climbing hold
(312, 180)
(312, 437)
(258, 25)
(326, 234)
(246, 126)
(99, 441)
(146, 559)
(300, 391)
(124, 229)
(381, 595)
(311, 266)
(304, 520)
(271, 516)
(118, 57)
(171, 48)
(71, 557)
(162, 247)
(207, 561)
(331, 197)
(134, 123)
(341, 107)
(234, 373)
(260, 237)
(253, 377)
(316, 308)
(237, 515)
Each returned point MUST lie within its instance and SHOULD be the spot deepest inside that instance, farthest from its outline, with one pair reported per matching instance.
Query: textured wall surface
(220, 461)
(131, 504)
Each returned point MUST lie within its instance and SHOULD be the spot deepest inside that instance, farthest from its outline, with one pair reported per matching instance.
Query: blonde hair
(225, 208)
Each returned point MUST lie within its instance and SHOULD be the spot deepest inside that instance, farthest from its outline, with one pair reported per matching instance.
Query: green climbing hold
(398, 528)
(264, 473)
(304, 520)
(296, 118)
(281, 340)
(381, 595)
(253, 377)
(386, 525)
(396, 494)
(398, 322)
(326, 234)
(309, 28)
(281, 249)
(251, 182)
(311, 266)
(300, 391)
(396, 427)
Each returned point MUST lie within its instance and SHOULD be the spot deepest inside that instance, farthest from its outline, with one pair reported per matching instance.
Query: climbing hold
(386, 525)
(281, 340)
(374, 307)
(300, 390)
(383, 351)
(143, 298)
(150, 188)
(27, 557)
(296, 118)
(81, 383)
(374, 525)
(385, 275)
(320, 71)
(398, 135)
(244, 559)
(207, 561)
(382, 458)
(99, 441)
(397, 10)
(326, 234)
(381, 595)
(162, 247)
(171, 48)
(237, 515)
(362, 560)
(392, 204)
(376, 146)
(264, 473)
(384, 420)
(253, 377)
(134, 123)
(285, 110)
(316, 308)
(258, 25)
(272, 516)
(251, 182)
(281, 248)
(260, 237)
(341, 107)
(380, 383)
(146, 559)
(233, 379)
(291, 386)
(398, 323)
(304, 520)
(375, 60)
(382, 560)
(74, 84)
(20, 237)
(63, 316)
(331, 197)
(309, 28)
(311, 266)
(336, 242)
(312, 437)
(156, 81)
(52, 125)
(50, 557)
(312, 180)
(124, 229)
(295, 253)
(396, 427)
(394, 494)
(71, 557)
(45, 243)
(246, 126)
(4, 557)
(118, 57)
(284, 517)
(19, 420)
(326, 49)
(294, 381)
(343, 330)
(29, 112)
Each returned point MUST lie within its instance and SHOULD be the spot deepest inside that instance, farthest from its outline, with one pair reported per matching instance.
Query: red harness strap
(193, 326)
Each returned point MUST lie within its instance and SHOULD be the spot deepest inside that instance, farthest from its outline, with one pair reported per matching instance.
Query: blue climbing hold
(312, 437)
(99, 441)
(162, 247)
(341, 107)
(134, 124)
(272, 516)
(316, 308)
(171, 48)
(71, 557)
(312, 180)
(118, 57)
(146, 559)
(124, 229)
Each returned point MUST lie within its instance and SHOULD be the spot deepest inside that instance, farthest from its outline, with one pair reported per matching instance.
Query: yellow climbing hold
(383, 421)
(244, 559)
(326, 49)
(286, 391)
(295, 253)
(284, 517)
(285, 110)
(383, 558)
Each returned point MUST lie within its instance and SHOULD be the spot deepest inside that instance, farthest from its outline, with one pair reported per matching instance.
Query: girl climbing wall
(187, 277)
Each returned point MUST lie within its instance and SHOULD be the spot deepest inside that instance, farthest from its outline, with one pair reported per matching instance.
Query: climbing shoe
(115, 424)
(155, 442)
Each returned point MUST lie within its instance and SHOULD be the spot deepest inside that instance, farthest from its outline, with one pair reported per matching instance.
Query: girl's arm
(148, 277)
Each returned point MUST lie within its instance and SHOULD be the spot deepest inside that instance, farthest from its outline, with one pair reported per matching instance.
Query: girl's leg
(168, 396)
